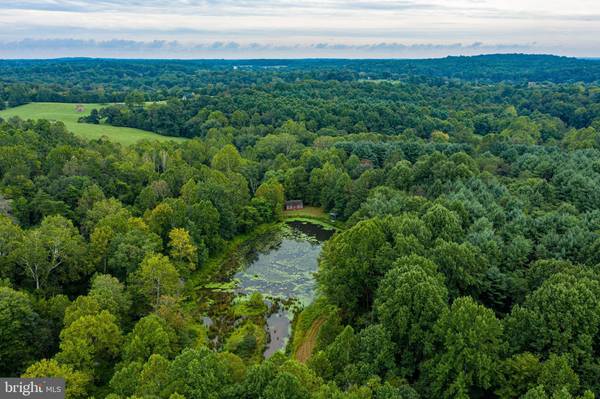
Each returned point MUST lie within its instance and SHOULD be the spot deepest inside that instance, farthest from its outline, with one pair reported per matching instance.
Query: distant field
(66, 113)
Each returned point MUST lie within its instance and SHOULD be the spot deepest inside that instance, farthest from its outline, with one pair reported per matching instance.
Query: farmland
(67, 113)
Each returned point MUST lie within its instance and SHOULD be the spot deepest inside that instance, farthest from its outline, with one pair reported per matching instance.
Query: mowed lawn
(67, 113)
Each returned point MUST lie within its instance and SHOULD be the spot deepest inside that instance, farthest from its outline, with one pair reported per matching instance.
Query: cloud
(250, 7)
(377, 27)
(232, 49)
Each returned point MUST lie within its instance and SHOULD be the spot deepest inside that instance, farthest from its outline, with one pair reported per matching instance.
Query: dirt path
(310, 340)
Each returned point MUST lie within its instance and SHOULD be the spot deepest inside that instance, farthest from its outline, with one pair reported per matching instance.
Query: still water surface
(285, 271)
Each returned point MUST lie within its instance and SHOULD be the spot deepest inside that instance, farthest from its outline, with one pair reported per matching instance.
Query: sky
(296, 29)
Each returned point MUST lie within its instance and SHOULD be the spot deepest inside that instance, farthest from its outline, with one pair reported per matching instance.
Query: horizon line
(116, 58)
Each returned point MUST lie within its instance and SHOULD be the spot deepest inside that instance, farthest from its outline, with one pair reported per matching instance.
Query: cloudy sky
(292, 29)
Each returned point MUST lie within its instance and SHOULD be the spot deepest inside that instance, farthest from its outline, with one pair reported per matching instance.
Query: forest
(465, 191)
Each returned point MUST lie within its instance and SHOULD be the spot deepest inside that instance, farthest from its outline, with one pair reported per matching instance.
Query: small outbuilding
(294, 205)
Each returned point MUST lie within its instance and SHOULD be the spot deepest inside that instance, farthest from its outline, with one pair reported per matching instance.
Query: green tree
(410, 299)
(156, 277)
(520, 373)
(352, 263)
(561, 317)
(183, 251)
(110, 294)
(286, 386)
(128, 250)
(91, 344)
(466, 354)
(110, 213)
(273, 144)
(77, 383)
(443, 223)
(10, 236)
(126, 378)
(375, 353)
(82, 306)
(463, 267)
(272, 192)
(227, 159)
(522, 130)
(53, 253)
(150, 335)
(100, 241)
(154, 377)
(258, 377)
(18, 326)
(199, 374)
(582, 138)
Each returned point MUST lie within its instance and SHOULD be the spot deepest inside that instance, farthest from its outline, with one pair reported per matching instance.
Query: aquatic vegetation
(250, 306)
(285, 268)
(248, 342)
(265, 280)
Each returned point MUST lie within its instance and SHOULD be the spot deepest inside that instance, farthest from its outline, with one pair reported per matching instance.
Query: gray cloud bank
(293, 29)
(118, 48)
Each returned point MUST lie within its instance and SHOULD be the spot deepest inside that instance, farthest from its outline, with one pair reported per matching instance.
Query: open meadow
(68, 114)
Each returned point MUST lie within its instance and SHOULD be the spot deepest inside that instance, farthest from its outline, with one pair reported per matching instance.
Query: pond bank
(313, 215)
(277, 264)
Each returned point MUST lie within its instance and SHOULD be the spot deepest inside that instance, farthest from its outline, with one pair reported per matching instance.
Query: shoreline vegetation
(216, 280)
(230, 254)
(311, 214)
(233, 249)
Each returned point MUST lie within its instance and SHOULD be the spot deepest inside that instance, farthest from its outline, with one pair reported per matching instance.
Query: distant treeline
(109, 80)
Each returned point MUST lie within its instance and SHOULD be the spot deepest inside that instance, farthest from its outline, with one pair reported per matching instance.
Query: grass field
(307, 211)
(314, 215)
(66, 113)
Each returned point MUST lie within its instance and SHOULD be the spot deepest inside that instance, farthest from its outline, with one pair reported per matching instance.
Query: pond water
(285, 272)
(286, 269)
(281, 266)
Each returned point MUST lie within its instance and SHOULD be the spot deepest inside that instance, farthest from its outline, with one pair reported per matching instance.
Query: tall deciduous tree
(151, 335)
(410, 299)
(155, 277)
(53, 253)
(466, 355)
(227, 159)
(272, 192)
(18, 326)
(10, 236)
(92, 344)
(352, 263)
(183, 251)
(76, 382)
(561, 316)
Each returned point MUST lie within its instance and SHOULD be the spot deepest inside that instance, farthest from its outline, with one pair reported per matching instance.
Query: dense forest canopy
(109, 80)
(467, 265)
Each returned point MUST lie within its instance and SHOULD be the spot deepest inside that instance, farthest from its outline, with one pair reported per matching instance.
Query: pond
(285, 272)
(280, 266)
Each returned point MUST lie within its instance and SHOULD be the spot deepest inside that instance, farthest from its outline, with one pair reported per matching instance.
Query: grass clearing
(314, 215)
(67, 113)
(308, 211)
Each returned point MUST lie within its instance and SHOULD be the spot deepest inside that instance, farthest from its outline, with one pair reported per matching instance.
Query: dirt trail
(310, 340)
